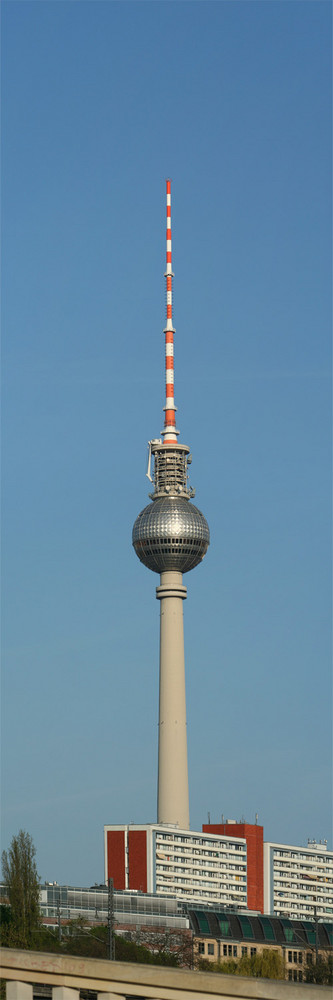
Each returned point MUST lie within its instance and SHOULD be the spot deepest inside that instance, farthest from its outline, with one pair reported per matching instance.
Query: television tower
(171, 536)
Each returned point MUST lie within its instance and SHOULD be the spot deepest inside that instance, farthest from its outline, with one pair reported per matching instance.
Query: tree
(267, 964)
(129, 951)
(321, 971)
(92, 942)
(22, 880)
(229, 967)
(168, 945)
(81, 939)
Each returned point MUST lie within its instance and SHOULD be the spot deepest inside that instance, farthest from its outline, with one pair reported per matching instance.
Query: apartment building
(192, 866)
(298, 881)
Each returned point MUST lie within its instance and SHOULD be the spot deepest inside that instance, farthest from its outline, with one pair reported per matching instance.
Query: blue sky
(101, 102)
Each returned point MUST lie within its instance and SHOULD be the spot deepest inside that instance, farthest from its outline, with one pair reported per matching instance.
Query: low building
(222, 936)
(193, 867)
(60, 904)
(298, 881)
(130, 909)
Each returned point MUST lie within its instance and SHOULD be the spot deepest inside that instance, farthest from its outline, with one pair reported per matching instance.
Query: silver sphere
(170, 534)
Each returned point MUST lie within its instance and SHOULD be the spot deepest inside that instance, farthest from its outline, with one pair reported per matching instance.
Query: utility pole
(111, 941)
(316, 932)
(59, 918)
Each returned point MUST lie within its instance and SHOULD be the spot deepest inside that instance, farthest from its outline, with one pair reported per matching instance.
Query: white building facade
(193, 867)
(200, 866)
(298, 881)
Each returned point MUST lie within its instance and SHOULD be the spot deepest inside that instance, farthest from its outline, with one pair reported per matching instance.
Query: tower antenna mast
(169, 433)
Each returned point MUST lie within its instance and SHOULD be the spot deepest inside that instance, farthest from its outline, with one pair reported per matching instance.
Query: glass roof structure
(249, 927)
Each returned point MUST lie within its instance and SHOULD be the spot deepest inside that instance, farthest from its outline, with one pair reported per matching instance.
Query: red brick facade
(254, 836)
(137, 860)
(116, 857)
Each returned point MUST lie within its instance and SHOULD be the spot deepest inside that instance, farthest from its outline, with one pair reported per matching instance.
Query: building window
(295, 976)
(290, 956)
(300, 957)
(201, 947)
(300, 977)
(290, 974)
(210, 949)
(229, 949)
(253, 951)
(234, 950)
(225, 949)
(295, 956)
(244, 951)
(309, 957)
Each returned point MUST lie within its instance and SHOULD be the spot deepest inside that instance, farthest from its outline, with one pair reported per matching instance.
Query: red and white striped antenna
(169, 432)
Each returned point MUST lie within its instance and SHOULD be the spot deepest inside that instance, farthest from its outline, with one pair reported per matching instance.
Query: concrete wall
(118, 979)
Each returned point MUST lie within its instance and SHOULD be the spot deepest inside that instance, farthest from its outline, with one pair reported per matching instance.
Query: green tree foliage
(20, 875)
(229, 967)
(267, 964)
(129, 951)
(93, 942)
(320, 972)
(5, 916)
(45, 939)
(78, 938)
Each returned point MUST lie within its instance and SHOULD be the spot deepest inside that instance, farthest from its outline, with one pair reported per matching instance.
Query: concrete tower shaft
(172, 795)
(171, 536)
